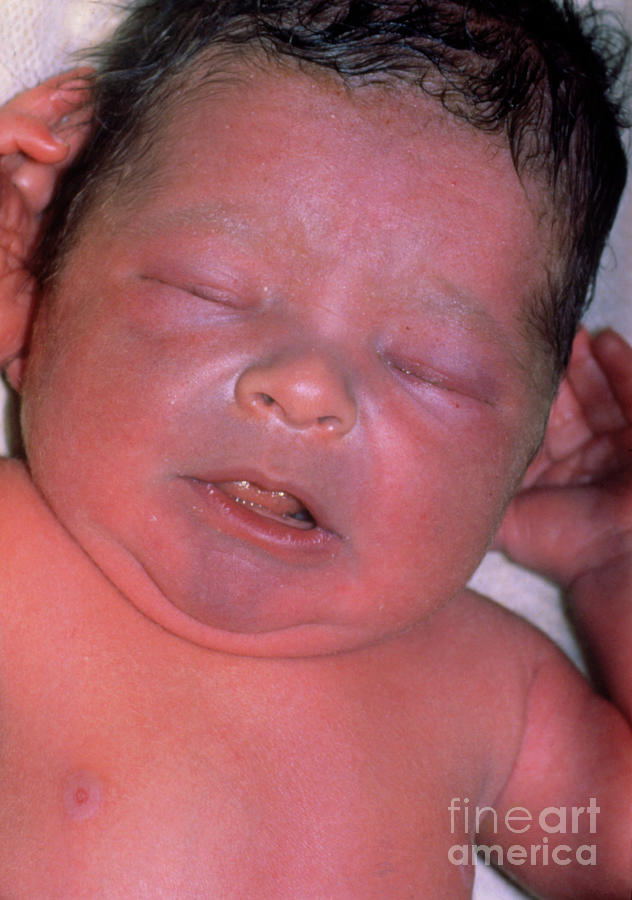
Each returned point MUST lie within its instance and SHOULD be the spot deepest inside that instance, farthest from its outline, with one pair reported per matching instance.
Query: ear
(18, 291)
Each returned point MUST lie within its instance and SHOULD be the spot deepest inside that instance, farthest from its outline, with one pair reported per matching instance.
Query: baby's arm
(563, 819)
(41, 132)
(573, 522)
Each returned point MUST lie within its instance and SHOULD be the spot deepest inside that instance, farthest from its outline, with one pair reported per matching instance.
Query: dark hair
(538, 73)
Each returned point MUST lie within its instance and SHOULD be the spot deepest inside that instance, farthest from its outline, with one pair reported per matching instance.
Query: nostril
(300, 390)
(328, 422)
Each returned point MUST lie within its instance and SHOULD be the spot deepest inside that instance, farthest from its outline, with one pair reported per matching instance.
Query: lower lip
(225, 514)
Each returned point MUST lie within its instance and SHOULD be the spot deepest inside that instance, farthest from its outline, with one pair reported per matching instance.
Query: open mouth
(281, 506)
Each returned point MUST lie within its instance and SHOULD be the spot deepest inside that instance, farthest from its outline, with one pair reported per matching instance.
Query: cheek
(443, 498)
(74, 407)
(86, 373)
(479, 476)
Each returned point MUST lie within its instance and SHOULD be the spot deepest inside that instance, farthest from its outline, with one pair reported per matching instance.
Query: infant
(286, 342)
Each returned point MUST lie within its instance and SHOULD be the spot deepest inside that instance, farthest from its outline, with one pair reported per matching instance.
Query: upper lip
(314, 503)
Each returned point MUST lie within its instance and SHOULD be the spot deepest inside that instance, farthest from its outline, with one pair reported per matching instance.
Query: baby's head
(539, 78)
(304, 302)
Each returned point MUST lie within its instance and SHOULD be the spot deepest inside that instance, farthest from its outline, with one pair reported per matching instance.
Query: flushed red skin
(141, 760)
(350, 333)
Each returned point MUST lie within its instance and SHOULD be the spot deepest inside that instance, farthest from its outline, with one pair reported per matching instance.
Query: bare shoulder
(36, 552)
(491, 653)
(24, 516)
(490, 635)
(19, 504)
(14, 483)
(483, 661)
(503, 652)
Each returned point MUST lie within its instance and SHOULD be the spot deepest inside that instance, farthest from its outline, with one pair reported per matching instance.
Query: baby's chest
(158, 798)
(193, 841)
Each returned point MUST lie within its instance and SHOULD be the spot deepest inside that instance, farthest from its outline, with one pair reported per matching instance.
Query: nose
(303, 391)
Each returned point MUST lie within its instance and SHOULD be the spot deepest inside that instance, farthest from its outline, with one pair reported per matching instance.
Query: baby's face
(283, 396)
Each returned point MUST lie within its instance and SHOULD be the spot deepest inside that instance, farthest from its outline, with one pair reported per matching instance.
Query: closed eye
(203, 292)
(416, 372)
(425, 377)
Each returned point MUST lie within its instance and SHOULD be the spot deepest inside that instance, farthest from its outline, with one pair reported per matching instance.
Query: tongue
(275, 504)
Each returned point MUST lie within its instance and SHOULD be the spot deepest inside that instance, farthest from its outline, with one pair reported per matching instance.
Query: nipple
(83, 795)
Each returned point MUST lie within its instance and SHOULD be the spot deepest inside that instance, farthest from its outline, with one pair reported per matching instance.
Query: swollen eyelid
(205, 293)
(426, 375)
(219, 296)
(466, 383)
(418, 372)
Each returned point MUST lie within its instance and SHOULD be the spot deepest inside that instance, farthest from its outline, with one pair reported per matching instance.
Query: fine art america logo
(551, 823)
